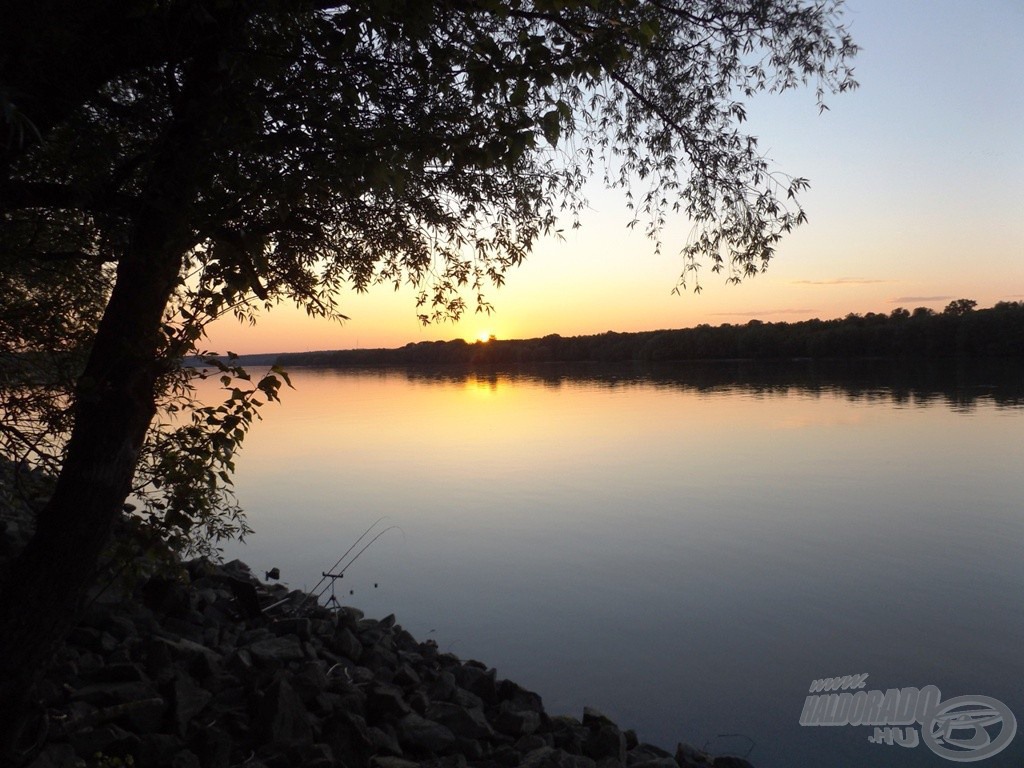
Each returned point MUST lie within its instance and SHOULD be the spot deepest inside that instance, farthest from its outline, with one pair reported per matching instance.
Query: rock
(466, 699)
(569, 734)
(406, 676)
(107, 738)
(529, 743)
(346, 643)
(112, 694)
(187, 701)
(469, 723)
(392, 762)
(513, 722)
(384, 740)
(57, 756)
(145, 716)
(246, 598)
(119, 673)
(281, 717)
(386, 702)
(277, 650)
(213, 747)
(658, 762)
(185, 759)
(189, 651)
(518, 697)
(689, 757)
(594, 717)
(314, 688)
(547, 757)
(316, 756)
(643, 753)
(480, 682)
(604, 739)
(310, 680)
(349, 737)
(298, 626)
(424, 735)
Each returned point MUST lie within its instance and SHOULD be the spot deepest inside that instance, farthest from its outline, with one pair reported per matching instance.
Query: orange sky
(916, 200)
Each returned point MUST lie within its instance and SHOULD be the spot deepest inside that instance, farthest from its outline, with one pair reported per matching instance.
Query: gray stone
(466, 699)
(386, 702)
(145, 716)
(406, 676)
(424, 735)
(470, 723)
(392, 762)
(605, 740)
(281, 717)
(480, 682)
(729, 761)
(213, 746)
(594, 717)
(347, 644)
(187, 650)
(188, 700)
(658, 762)
(643, 753)
(277, 650)
(310, 680)
(185, 759)
(119, 673)
(111, 694)
(298, 626)
(519, 697)
(57, 756)
(689, 757)
(529, 743)
(513, 722)
(384, 740)
(102, 738)
(547, 757)
(569, 733)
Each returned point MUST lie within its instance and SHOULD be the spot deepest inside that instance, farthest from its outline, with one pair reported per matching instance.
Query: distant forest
(959, 332)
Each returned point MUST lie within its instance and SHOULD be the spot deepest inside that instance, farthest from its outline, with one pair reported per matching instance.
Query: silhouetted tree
(197, 158)
(960, 307)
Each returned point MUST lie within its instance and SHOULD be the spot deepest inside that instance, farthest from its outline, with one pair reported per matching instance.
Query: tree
(193, 158)
(960, 307)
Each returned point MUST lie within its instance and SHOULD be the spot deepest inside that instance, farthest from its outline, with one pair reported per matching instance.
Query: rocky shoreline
(216, 669)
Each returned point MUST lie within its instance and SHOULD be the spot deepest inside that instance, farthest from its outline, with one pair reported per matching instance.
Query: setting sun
(484, 336)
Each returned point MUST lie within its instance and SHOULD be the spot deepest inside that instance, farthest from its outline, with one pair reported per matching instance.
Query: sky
(916, 199)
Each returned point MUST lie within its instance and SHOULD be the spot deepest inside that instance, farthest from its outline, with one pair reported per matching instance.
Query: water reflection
(914, 383)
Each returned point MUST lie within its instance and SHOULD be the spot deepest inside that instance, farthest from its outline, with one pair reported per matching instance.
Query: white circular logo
(969, 728)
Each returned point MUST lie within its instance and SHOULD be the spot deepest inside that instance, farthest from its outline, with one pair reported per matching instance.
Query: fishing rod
(329, 574)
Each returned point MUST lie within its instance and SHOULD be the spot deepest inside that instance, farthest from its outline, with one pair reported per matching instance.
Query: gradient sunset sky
(917, 198)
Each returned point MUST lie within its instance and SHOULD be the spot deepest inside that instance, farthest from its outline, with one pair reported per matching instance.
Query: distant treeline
(959, 332)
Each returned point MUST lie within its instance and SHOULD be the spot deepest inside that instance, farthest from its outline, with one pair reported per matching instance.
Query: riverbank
(215, 669)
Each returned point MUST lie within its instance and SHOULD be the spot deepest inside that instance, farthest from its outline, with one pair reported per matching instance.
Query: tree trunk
(45, 586)
(115, 403)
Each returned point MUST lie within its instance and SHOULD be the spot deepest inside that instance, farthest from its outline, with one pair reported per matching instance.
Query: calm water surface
(686, 556)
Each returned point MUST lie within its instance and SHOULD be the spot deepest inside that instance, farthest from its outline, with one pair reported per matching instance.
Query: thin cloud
(910, 299)
(841, 281)
(757, 313)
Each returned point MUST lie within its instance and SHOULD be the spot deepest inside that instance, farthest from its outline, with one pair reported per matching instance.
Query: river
(685, 549)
